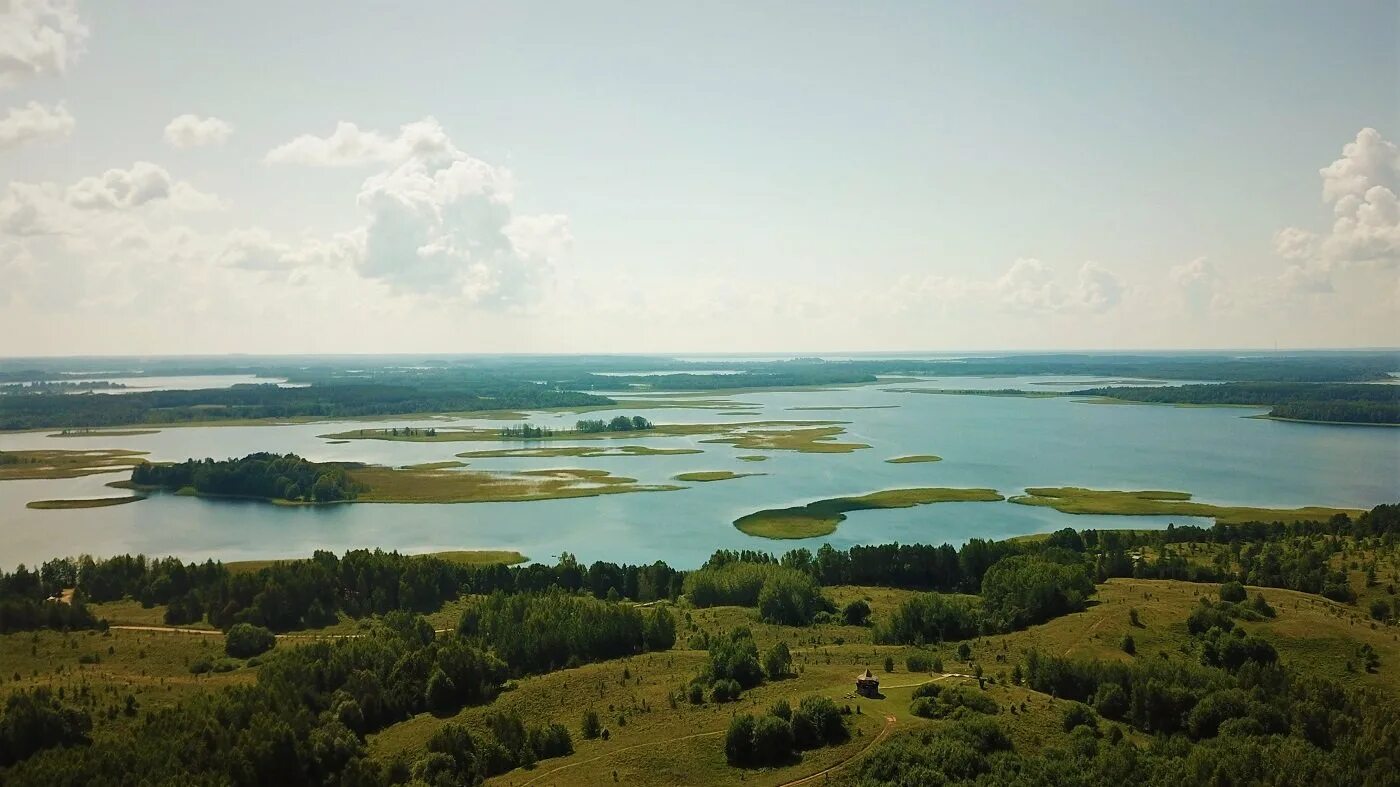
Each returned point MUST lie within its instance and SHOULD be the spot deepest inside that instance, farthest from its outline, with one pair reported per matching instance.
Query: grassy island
(27, 465)
(821, 517)
(583, 451)
(95, 502)
(1077, 500)
(713, 475)
(914, 459)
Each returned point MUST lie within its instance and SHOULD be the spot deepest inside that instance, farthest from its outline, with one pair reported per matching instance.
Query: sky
(665, 177)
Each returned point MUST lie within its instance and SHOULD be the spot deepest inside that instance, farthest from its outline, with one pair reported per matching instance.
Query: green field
(821, 517)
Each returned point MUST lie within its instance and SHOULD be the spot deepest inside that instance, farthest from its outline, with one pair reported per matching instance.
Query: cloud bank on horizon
(410, 242)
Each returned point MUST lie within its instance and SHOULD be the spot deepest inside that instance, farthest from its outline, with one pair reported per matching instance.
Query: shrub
(1080, 715)
(245, 640)
(738, 740)
(918, 662)
(725, 690)
(1128, 645)
(772, 740)
(856, 613)
(936, 702)
(1232, 592)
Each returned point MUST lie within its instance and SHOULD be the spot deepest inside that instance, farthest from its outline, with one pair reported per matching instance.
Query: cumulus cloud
(438, 221)
(1032, 285)
(1200, 286)
(33, 209)
(1361, 187)
(349, 146)
(32, 122)
(38, 38)
(192, 131)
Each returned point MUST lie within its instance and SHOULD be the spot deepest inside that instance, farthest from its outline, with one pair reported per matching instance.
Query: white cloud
(78, 210)
(1365, 233)
(1200, 286)
(38, 38)
(32, 122)
(1032, 285)
(1099, 289)
(191, 131)
(348, 146)
(439, 222)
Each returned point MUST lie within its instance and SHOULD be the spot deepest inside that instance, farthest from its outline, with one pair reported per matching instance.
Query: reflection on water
(1008, 443)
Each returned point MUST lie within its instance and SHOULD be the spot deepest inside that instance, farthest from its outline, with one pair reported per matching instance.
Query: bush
(1128, 645)
(202, 665)
(738, 740)
(932, 701)
(918, 662)
(245, 640)
(889, 664)
(1111, 701)
(856, 613)
(1232, 592)
(725, 690)
(817, 722)
(1080, 715)
(696, 693)
(772, 741)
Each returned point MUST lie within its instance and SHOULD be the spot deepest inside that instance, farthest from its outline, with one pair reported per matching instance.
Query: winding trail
(884, 731)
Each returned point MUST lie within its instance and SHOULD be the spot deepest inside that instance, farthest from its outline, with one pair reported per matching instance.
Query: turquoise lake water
(1008, 443)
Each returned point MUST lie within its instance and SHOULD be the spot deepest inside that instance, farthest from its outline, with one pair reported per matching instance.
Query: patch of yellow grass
(23, 465)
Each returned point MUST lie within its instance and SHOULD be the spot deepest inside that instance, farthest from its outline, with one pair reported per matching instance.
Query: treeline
(29, 601)
(1017, 591)
(783, 595)
(333, 400)
(262, 475)
(620, 423)
(542, 632)
(296, 594)
(1294, 556)
(1337, 402)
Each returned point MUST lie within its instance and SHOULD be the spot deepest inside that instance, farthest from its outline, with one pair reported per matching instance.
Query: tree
(738, 740)
(1232, 592)
(772, 740)
(1128, 645)
(245, 640)
(777, 661)
(889, 664)
(591, 726)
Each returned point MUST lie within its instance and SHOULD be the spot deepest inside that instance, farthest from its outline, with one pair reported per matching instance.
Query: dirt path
(885, 731)
(619, 751)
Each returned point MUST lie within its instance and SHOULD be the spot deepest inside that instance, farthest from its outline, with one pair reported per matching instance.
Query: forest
(262, 475)
(336, 400)
(1334, 402)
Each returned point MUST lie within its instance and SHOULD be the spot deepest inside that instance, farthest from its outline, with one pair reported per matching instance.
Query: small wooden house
(867, 685)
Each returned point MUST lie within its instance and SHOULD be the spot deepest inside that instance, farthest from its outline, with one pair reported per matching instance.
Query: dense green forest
(388, 385)
(56, 410)
(262, 475)
(1341, 403)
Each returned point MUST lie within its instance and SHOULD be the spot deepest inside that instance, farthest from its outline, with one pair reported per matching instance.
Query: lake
(1008, 443)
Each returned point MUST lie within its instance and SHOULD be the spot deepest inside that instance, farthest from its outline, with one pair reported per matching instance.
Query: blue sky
(671, 177)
